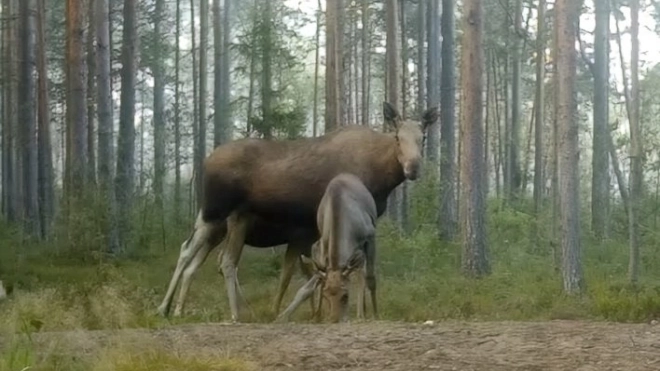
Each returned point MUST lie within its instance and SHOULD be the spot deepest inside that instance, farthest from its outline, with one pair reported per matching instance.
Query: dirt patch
(493, 346)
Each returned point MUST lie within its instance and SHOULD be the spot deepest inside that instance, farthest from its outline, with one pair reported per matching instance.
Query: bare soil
(492, 346)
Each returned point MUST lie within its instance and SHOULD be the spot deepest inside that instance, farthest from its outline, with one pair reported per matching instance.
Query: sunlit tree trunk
(333, 64)
(225, 60)
(636, 146)
(600, 183)
(566, 13)
(475, 246)
(198, 153)
(315, 113)
(266, 75)
(366, 55)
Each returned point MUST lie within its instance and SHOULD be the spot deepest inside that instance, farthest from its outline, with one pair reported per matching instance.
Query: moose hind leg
(308, 271)
(236, 231)
(188, 273)
(189, 249)
(370, 265)
(290, 258)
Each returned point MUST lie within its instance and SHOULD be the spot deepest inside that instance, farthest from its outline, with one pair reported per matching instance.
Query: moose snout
(411, 169)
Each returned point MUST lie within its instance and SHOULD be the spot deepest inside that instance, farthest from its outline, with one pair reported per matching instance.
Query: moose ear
(355, 261)
(429, 117)
(391, 114)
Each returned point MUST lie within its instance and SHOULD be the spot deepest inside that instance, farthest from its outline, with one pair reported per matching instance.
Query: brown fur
(282, 182)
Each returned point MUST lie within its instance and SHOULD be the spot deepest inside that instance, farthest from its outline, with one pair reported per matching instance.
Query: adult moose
(282, 182)
(346, 220)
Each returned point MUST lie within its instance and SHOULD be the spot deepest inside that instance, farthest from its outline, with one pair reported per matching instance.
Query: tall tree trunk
(405, 187)
(636, 151)
(177, 115)
(315, 113)
(447, 221)
(45, 155)
(125, 180)
(421, 57)
(8, 195)
(600, 183)
(27, 117)
(333, 67)
(105, 113)
(218, 130)
(203, 85)
(623, 190)
(77, 103)
(514, 148)
(91, 102)
(366, 55)
(539, 179)
(266, 78)
(159, 106)
(225, 99)
(433, 80)
(566, 13)
(198, 155)
(475, 247)
(393, 74)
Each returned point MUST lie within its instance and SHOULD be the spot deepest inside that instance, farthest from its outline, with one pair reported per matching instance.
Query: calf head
(410, 136)
(335, 282)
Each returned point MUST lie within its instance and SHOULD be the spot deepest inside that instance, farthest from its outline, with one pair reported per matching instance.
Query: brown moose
(282, 182)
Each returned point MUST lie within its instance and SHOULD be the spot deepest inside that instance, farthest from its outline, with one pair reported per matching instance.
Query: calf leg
(303, 294)
(371, 272)
(189, 249)
(236, 230)
(308, 271)
(361, 306)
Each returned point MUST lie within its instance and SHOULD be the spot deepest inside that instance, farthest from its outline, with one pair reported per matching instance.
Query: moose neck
(390, 172)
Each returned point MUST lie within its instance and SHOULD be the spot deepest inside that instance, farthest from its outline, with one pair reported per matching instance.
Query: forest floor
(493, 346)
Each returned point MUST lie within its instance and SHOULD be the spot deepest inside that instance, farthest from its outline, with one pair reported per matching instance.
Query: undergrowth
(65, 283)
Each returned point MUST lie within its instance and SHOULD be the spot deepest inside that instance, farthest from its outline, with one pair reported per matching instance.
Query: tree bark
(105, 120)
(433, 81)
(266, 75)
(91, 102)
(421, 57)
(225, 98)
(315, 113)
(475, 260)
(9, 196)
(45, 154)
(203, 86)
(636, 145)
(177, 114)
(513, 187)
(333, 65)
(393, 60)
(447, 224)
(27, 117)
(125, 179)
(566, 13)
(539, 178)
(600, 183)
(366, 55)
(198, 155)
(159, 105)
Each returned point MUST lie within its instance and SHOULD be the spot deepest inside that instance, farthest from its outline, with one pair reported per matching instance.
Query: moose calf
(346, 219)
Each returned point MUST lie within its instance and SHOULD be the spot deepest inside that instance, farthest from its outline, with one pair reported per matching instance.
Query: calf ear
(355, 261)
(317, 267)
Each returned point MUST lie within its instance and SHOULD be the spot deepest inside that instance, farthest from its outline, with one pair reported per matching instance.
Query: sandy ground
(493, 346)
